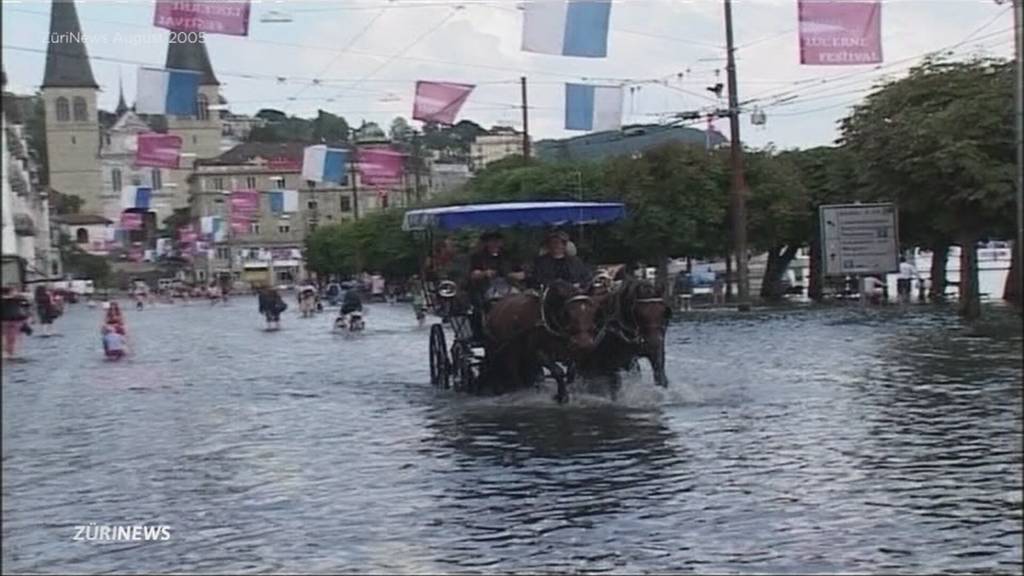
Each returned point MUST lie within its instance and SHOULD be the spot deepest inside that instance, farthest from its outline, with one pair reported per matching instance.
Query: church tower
(201, 133)
(69, 93)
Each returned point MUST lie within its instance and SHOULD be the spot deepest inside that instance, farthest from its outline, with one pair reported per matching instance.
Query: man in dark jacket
(557, 264)
(271, 306)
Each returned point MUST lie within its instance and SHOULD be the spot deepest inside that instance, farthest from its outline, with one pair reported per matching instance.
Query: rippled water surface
(813, 440)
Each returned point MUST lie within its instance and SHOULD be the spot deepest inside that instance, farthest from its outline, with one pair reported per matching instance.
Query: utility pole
(1018, 26)
(739, 184)
(526, 125)
(353, 174)
(416, 161)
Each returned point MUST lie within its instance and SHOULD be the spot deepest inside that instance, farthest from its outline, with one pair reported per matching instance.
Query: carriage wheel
(440, 369)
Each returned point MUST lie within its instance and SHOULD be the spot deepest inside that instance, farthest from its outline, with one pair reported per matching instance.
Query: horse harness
(630, 334)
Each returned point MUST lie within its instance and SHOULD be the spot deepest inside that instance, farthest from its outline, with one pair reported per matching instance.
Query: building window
(195, 140)
(158, 182)
(250, 182)
(81, 110)
(311, 205)
(312, 226)
(82, 236)
(278, 181)
(136, 180)
(284, 228)
(202, 107)
(74, 140)
(223, 253)
(216, 183)
(63, 110)
(254, 227)
(384, 201)
(115, 180)
(346, 203)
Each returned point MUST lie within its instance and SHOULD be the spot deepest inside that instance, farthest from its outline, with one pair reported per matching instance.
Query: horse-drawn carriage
(472, 360)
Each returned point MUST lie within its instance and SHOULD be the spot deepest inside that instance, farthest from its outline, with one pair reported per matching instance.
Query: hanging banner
(158, 150)
(285, 163)
(567, 27)
(840, 33)
(439, 101)
(187, 234)
(380, 166)
(209, 16)
(589, 107)
(239, 224)
(245, 202)
(172, 92)
(131, 221)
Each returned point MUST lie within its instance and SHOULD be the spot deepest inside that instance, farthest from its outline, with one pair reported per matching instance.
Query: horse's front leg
(562, 395)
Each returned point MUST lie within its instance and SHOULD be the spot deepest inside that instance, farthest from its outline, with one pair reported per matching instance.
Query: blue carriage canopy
(506, 214)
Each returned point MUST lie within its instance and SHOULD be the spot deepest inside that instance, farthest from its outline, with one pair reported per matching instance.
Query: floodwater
(798, 440)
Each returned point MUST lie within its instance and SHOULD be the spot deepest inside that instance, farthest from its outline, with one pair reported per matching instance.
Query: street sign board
(859, 239)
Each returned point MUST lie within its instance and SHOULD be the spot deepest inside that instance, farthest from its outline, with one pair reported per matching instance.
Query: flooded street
(800, 440)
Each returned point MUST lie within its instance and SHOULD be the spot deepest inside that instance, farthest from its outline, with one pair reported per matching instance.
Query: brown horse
(529, 332)
(636, 318)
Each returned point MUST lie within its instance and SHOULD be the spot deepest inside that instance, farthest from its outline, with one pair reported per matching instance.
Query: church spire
(191, 56)
(121, 106)
(67, 61)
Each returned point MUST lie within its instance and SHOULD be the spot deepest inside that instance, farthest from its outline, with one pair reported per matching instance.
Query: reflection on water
(810, 440)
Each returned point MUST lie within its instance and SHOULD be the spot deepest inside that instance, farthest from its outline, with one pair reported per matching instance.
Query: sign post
(859, 239)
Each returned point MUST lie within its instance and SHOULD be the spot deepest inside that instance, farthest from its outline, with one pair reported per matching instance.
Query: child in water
(114, 344)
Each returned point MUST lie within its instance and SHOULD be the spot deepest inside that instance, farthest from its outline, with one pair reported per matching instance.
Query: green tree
(375, 242)
(81, 264)
(400, 131)
(939, 142)
(330, 128)
(64, 204)
(778, 215)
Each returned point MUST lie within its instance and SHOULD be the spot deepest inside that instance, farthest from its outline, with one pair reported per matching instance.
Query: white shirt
(907, 271)
(872, 285)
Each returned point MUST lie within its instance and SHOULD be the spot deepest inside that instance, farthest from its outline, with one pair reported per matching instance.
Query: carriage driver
(492, 274)
(556, 263)
(491, 268)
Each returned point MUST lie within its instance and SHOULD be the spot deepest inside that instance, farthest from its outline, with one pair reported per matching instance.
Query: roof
(623, 142)
(506, 214)
(191, 56)
(247, 151)
(80, 219)
(67, 60)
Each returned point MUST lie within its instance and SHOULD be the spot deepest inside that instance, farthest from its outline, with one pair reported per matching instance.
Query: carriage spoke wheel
(440, 369)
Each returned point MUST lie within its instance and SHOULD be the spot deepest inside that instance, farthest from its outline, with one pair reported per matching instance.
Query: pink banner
(158, 150)
(131, 221)
(285, 163)
(209, 16)
(380, 166)
(240, 224)
(840, 33)
(245, 202)
(187, 234)
(439, 101)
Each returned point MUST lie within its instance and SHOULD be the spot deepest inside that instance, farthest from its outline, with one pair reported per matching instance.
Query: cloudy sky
(367, 54)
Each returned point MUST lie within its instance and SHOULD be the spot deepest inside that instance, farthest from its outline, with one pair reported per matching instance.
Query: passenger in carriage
(491, 268)
(556, 263)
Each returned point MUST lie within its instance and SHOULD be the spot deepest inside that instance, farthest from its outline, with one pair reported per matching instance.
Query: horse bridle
(632, 334)
(548, 325)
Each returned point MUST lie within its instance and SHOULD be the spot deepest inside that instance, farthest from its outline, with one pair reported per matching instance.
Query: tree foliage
(373, 243)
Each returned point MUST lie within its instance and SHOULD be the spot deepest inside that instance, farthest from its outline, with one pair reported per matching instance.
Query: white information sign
(859, 239)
